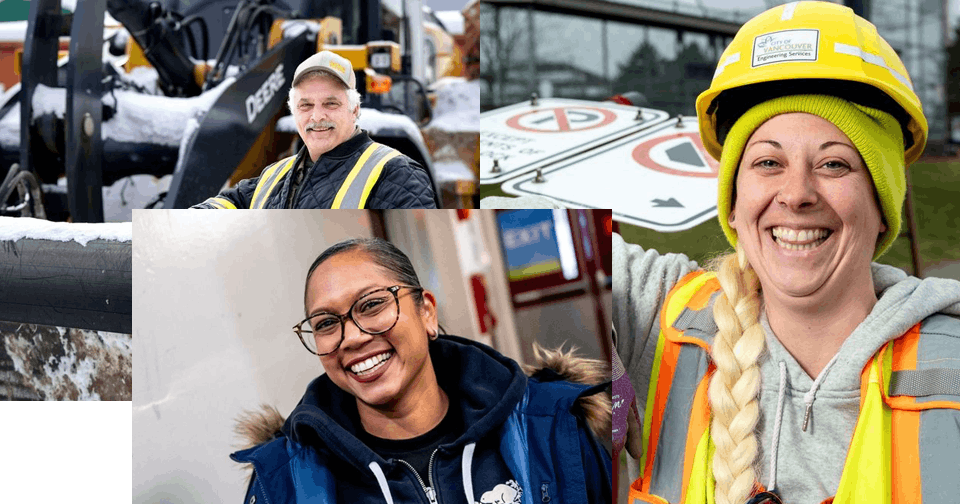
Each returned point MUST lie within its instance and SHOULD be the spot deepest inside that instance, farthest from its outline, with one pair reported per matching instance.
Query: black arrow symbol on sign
(667, 203)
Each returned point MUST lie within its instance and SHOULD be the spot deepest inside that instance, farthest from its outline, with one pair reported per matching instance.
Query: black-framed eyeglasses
(374, 313)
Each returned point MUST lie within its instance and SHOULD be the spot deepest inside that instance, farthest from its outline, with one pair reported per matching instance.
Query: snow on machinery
(150, 100)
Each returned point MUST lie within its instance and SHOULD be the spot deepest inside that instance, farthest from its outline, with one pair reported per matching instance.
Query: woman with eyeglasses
(404, 414)
(796, 370)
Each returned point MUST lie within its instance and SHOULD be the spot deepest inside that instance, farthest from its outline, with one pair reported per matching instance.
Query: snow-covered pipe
(84, 283)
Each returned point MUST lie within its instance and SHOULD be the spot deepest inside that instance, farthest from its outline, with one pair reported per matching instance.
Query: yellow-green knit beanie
(876, 134)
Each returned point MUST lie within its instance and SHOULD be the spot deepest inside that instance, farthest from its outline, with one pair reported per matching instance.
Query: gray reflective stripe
(213, 202)
(939, 446)
(260, 193)
(667, 477)
(267, 180)
(938, 363)
(220, 203)
(354, 192)
(926, 382)
(939, 349)
(698, 323)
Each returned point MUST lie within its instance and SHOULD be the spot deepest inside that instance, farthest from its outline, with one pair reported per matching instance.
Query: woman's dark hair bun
(384, 254)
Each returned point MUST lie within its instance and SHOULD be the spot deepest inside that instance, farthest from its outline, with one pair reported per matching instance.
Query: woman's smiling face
(805, 211)
(400, 356)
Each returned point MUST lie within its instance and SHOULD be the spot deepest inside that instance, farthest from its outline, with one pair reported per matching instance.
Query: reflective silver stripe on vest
(939, 446)
(355, 191)
(937, 351)
(268, 180)
(636, 500)
(667, 477)
(926, 382)
(939, 348)
(698, 323)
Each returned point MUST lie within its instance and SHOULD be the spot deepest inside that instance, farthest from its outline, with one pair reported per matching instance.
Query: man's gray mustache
(318, 125)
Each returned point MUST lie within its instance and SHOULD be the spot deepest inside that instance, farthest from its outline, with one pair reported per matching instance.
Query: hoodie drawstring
(382, 480)
(811, 395)
(777, 422)
(466, 466)
(808, 399)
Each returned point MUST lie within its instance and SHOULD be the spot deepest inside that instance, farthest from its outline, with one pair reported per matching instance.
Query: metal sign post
(911, 231)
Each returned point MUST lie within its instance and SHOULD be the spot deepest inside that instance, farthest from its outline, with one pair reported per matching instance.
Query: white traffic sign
(522, 137)
(659, 178)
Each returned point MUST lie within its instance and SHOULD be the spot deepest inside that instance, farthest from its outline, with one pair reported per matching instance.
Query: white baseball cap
(331, 63)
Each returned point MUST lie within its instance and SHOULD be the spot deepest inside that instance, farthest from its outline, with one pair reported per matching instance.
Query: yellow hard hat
(809, 48)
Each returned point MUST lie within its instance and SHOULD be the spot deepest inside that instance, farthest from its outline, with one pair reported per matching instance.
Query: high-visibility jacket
(358, 173)
(899, 453)
(353, 193)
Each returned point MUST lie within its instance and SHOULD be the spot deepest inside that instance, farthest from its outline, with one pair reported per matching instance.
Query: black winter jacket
(402, 184)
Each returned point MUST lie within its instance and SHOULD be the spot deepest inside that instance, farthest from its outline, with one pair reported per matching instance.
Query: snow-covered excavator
(193, 93)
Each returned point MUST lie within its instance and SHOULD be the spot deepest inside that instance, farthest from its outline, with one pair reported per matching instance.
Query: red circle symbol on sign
(561, 119)
(641, 154)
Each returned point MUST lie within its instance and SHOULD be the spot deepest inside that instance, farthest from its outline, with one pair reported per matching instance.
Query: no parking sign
(523, 137)
(561, 119)
(659, 178)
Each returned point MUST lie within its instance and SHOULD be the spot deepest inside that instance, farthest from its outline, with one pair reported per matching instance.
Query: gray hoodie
(808, 463)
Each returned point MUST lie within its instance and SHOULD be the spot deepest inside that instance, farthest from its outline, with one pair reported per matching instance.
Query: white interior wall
(424, 236)
(431, 239)
(215, 295)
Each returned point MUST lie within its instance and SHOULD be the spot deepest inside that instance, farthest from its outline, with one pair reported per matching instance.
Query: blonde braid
(736, 382)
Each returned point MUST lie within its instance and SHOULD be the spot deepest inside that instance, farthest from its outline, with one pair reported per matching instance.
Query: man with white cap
(339, 165)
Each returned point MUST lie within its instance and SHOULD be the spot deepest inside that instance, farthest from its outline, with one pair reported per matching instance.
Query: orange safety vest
(906, 444)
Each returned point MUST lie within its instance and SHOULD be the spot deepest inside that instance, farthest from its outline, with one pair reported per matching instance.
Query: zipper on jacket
(298, 166)
(430, 475)
(429, 491)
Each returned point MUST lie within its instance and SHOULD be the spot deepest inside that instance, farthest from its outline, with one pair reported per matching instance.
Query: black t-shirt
(491, 477)
(416, 451)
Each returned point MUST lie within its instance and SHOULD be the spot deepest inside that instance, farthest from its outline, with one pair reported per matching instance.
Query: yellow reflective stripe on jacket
(363, 176)
(268, 180)
(221, 203)
(701, 485)
(353, 174)
(648, 408)
(372, 179)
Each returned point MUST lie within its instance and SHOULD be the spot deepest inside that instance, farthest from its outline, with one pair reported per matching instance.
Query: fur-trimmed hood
(255, 427)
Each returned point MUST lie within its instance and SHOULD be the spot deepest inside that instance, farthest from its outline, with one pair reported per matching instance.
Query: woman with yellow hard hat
(797, 371)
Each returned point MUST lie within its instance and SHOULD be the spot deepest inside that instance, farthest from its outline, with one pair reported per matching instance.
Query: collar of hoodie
(466, 466)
